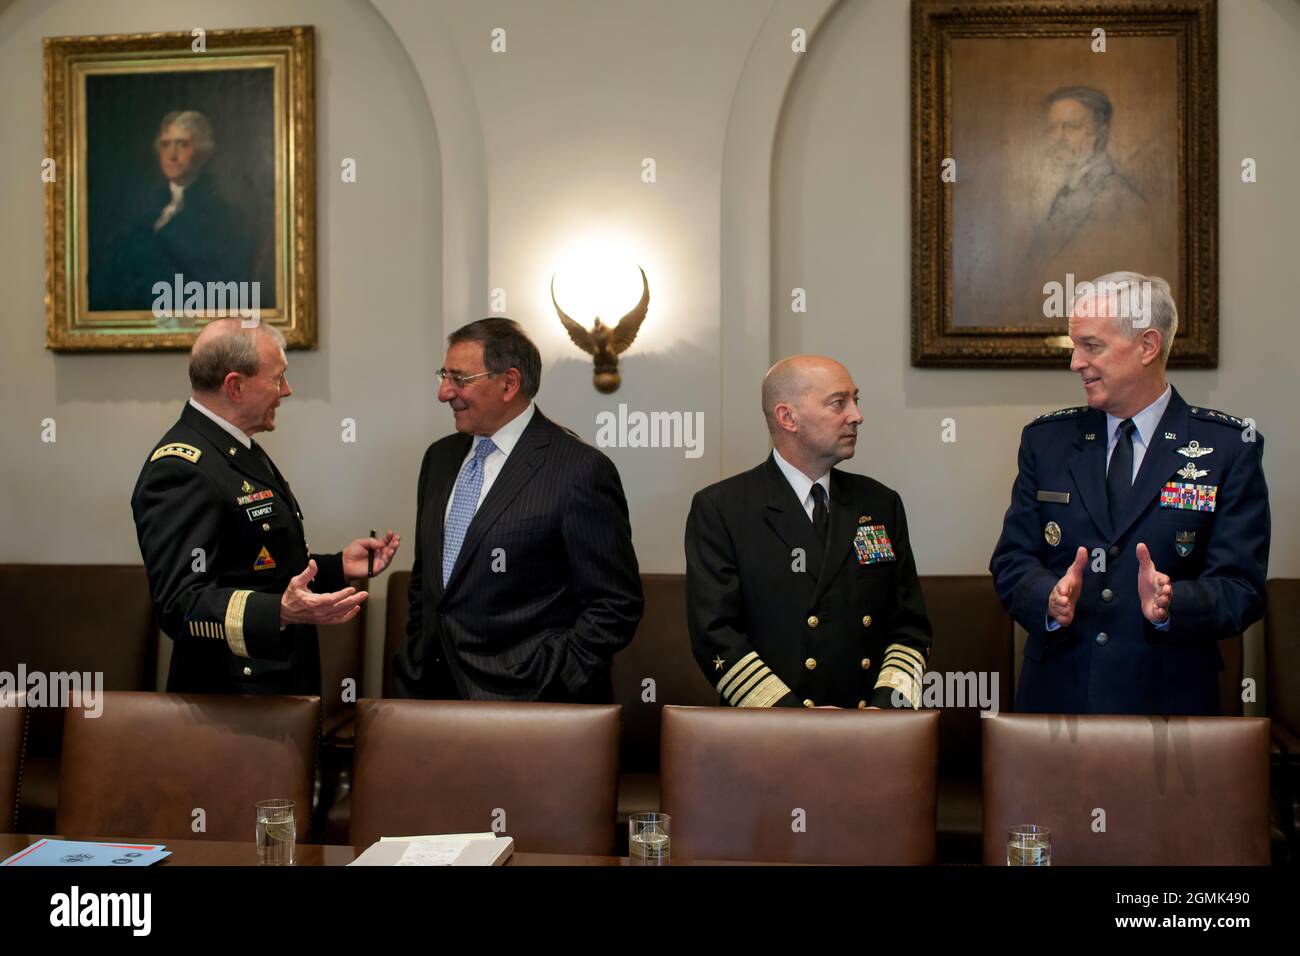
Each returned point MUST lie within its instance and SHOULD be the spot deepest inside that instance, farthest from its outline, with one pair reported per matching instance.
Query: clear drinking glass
(649, 838)
(277, 832)
(1029, 845)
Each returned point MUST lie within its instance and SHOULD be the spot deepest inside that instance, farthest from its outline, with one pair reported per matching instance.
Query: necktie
(821, 515)
(464, 503)
(1119, 476)
(263, 459)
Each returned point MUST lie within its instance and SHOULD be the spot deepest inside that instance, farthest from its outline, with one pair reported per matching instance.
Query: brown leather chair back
(1282, 653)
(661, 652)
(399, 587)
(973, 634)
(1176, 791)
(546, 773)
(141, 769)
(13, 727)
(342, 656)
(734, 782)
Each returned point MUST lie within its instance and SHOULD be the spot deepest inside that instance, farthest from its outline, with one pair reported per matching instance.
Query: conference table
(218, 853)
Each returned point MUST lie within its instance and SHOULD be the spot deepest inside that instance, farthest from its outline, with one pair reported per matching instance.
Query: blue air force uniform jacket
(221, 535)
(1200, 504)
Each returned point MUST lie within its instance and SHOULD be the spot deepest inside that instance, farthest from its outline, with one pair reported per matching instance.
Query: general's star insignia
(717, 663)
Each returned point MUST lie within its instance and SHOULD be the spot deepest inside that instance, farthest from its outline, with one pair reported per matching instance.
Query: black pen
(370, 558)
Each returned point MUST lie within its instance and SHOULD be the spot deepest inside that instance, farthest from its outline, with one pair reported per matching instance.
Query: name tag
(1055, 497)
(259, 512)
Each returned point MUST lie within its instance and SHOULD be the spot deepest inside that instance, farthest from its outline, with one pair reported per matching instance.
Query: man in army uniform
(801, 586)
(1138, 531)
(222, 534)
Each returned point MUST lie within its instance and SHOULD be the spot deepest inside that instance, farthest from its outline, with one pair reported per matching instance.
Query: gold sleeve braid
(902, 670)
(751, 683)
(235, 623)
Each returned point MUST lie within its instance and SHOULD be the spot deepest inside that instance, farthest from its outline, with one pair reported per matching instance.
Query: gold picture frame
(1005, 205)
(119, 220)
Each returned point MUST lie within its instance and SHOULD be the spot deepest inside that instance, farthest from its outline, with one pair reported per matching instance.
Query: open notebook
(445, 849)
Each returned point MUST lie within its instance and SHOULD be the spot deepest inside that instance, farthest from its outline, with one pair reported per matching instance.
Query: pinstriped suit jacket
(546, 587)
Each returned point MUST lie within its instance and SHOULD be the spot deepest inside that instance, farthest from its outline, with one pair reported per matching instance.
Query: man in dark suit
(1138, 531)
(525, 583)
(188, 229)
(801, 586)
(222, 534)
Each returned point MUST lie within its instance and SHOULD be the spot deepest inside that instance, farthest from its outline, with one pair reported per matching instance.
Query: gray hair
(1095, 100)
(196, 123)
(225, 346)
(1135, 302)
(505, 346)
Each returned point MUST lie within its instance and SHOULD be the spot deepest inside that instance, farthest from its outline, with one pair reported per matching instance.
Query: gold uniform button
(810, 663)
(866, 663)
(248, 672)
(232, 450)
(808, 703)
(866, 620)
(266, 526)
(862, 705)
(812, 620)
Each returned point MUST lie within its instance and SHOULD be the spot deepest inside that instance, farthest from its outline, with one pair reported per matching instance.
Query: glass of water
(649, 838)
(277, 832)
(1029, 845)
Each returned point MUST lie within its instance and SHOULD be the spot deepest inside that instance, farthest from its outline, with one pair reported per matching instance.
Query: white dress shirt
(505, 438)
(172, 208)
(802, 484)
(232, 430)
(1145, 430)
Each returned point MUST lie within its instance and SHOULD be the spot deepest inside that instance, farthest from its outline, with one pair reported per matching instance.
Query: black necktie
(1119, 476)
(264, 460)
(821, 514)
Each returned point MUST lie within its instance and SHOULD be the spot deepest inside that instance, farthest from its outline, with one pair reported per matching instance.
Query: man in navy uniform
(222, 534)
(1138, 531)
(801, 586)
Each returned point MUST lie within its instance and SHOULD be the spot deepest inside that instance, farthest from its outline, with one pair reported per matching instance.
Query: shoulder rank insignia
(177, 450)
(1193, 449)
(1060, 413)
(1214, 415)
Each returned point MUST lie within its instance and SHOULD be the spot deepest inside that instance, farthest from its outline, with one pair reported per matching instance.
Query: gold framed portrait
(1054, 142)
(180, 173)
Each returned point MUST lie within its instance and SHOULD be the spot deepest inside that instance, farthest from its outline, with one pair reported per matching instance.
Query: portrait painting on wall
(180, 186)
(1054, 143)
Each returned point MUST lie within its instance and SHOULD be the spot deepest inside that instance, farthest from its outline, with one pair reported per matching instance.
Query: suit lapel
(786, 516)
(1089, 469)
(1159, 462)
(839, 540)
(520, 464)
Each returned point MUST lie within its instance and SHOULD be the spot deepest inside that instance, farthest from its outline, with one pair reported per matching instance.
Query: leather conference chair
(801, 786)
(1175, 791)
(1282, 663)
(544, 774)
(973, 634)
(141, 769)
(89, 618)
(13, 728)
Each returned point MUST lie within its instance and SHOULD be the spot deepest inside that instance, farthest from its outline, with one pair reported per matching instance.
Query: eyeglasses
(460, 381)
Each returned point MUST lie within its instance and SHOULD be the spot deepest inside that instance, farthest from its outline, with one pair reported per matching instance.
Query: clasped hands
(1155, 590)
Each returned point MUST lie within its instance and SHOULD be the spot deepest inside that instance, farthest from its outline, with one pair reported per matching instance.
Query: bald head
(811, 407)
(225, 346)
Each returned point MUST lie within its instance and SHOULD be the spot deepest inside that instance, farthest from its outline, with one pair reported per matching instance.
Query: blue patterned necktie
(464, 503)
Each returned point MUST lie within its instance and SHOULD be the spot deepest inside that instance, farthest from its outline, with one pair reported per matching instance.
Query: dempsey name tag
(1188, 497)
(872, 544)
(260, 511)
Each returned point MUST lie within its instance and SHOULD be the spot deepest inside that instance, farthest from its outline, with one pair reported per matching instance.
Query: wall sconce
(605, 343)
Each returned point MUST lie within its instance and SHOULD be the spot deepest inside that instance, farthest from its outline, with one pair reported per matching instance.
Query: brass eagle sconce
(605, 343)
